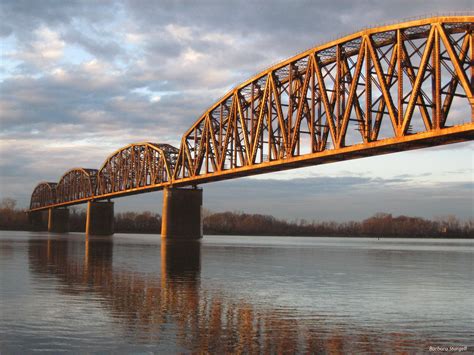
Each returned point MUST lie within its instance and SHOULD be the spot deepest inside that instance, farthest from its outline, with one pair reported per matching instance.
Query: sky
(80, 79)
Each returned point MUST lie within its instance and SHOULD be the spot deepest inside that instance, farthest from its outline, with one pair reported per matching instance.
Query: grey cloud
(5, 30)
(102, 46)
(31, 102)
(298, 19)
(160, 47)
(412, 176)
(21, 17)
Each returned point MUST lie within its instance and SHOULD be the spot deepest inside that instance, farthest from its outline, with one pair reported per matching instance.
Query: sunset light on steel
(76, 184)
(137, 166)
(43, 195)
(381, 90)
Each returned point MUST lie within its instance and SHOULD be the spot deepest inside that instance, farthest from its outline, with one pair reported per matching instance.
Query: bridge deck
(450, 135)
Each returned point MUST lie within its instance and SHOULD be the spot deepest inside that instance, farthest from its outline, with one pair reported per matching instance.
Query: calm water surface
(130, 293)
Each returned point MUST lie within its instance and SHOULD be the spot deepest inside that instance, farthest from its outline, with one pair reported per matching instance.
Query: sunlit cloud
(44, 51)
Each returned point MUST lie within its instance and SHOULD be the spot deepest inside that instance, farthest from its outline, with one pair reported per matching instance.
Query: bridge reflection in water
(145, 304)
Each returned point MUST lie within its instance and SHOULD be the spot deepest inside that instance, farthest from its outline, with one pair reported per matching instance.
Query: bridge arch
(43, 195)
(76, 184)
(135, 166)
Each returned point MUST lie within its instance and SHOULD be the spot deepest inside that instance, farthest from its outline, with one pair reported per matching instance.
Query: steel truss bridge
(381, 90)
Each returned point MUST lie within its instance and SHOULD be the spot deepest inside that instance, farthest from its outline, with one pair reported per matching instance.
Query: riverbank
(380, 225)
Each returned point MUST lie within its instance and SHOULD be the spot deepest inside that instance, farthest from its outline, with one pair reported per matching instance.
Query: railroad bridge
(381, 90)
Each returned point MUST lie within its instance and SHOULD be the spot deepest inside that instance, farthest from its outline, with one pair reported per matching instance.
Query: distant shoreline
(380, 225)
(269, 235)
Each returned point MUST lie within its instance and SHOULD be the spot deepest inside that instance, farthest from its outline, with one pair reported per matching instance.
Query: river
(131, 293)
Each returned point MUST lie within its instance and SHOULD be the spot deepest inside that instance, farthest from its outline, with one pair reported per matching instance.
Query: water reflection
(151, 305)
(181, 261)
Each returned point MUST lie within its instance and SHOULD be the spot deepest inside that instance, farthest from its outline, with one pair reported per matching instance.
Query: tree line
(239, 223)
(379, 225)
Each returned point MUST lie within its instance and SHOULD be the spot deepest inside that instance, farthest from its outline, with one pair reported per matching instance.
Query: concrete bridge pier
(38, 221)
(182, 217)
(100, 218)
(58, 220)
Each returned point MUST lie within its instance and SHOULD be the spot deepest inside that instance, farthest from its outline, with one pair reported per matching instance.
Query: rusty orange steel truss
(137, 166)
(381, 90)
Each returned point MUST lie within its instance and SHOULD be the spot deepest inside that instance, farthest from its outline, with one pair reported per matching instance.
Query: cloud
(43, 51)
(99, 46)
(48, 44)
(22, 17)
